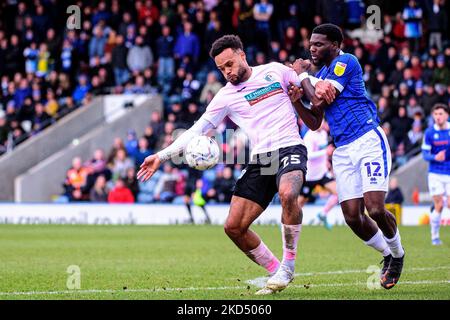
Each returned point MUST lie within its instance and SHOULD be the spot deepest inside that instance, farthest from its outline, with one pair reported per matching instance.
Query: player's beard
(238, 78)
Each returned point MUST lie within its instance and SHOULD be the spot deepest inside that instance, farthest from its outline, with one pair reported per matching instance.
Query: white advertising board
(148, 214)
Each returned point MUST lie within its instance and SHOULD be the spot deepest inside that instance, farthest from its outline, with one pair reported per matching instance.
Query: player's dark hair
(332, 31)
(442, 106)
(225, 42)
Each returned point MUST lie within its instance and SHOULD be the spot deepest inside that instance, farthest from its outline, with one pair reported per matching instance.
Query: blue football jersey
(436, 140)
(352, 113)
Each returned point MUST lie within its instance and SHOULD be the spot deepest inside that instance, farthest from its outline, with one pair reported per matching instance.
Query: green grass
(200, 262)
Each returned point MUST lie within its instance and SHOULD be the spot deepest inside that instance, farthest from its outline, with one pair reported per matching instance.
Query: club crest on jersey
(268, 77)
(339, 68)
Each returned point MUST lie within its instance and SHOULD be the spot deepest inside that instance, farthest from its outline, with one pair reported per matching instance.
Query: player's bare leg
(242, 214)
(291, 219)
(435, 218)
(331, 202)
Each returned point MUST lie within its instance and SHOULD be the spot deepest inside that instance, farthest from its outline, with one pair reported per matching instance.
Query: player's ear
(242, 55)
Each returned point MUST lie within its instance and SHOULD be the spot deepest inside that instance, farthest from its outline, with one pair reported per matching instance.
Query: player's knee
(288, 197)
(233, 230)
(377, 213)
(353, 220)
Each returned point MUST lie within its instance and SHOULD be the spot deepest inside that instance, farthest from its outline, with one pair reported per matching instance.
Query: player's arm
(319, 92)
(151, 163)
(214, 114)
(426, 150)
(312, 117)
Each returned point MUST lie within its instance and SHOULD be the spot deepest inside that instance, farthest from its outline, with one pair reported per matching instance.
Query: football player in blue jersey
(362, 158)
(436, 150)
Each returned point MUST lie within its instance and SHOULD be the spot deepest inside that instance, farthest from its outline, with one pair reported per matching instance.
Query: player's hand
(301, 66)
(294, 92)
(326, 91)
(149, 167)
(440, 156)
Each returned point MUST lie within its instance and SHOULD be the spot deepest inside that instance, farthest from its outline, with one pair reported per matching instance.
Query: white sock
(395, 244)
(379, 243)
(435, 222)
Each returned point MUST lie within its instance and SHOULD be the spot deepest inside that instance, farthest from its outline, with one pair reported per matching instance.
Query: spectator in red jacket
(120, 193)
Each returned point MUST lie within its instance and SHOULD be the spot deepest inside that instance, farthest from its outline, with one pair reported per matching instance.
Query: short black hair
(442, 106)
(332, 31)
(225, 42)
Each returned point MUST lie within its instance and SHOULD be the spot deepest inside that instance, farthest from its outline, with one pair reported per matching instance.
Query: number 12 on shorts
(375, 166)
(292, 159)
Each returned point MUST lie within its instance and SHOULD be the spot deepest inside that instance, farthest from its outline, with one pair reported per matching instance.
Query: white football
(202, 153)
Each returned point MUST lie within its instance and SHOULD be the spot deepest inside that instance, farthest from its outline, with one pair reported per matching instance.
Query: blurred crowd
(47, 70)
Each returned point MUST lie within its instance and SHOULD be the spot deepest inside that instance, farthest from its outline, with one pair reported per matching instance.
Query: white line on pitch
(261, 281)
(32, 293)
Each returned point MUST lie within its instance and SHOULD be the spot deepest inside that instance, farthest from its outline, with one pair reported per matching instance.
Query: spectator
(131, 182)
(97, 42)
(99, 193)
(152, 139)
(119, 61)
(31, 54)
(212, 84)
(121, 164)
(437, 23)
(415, 136)
(51, 106)
(43, 61)
(131, 144)
(262, 12)
(223, 186)
(394, 195)
(166, 63)
(441, 74)
(140, 56)
(75, 180)
(81, 90)
(165, 189)
(120, 193)
(142, 152)
(117, 144)
(41, 119)
(413, 24)
(187, 43)
(401, 124)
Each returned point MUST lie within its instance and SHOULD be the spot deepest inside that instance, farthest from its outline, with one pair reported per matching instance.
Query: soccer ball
(202, 153)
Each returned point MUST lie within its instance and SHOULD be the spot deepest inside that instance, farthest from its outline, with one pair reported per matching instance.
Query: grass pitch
(200, 262)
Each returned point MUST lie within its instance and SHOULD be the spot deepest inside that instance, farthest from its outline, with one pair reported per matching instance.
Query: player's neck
(333, 56)
(444, 126)
(247, 75)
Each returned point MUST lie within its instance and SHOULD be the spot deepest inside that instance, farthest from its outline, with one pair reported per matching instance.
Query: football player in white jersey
(256, 99)
(318, 173)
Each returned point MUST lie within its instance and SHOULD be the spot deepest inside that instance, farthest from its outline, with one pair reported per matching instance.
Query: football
(202, 153)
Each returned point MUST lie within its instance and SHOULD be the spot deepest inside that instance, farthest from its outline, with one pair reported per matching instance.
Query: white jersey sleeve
(202, 126)
(217, 109)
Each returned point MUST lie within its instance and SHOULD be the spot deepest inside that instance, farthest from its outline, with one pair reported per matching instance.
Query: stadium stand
(124, 47)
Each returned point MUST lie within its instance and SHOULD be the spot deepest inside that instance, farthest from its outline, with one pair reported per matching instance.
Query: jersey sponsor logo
(269, 77)
(263, 93)
(339, 68)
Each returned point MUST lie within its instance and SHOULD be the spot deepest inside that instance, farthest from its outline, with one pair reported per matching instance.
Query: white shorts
(362, 165)
(439, 184)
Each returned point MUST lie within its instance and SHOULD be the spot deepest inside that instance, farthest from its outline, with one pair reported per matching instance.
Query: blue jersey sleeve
(426, 146)
(342, 70)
